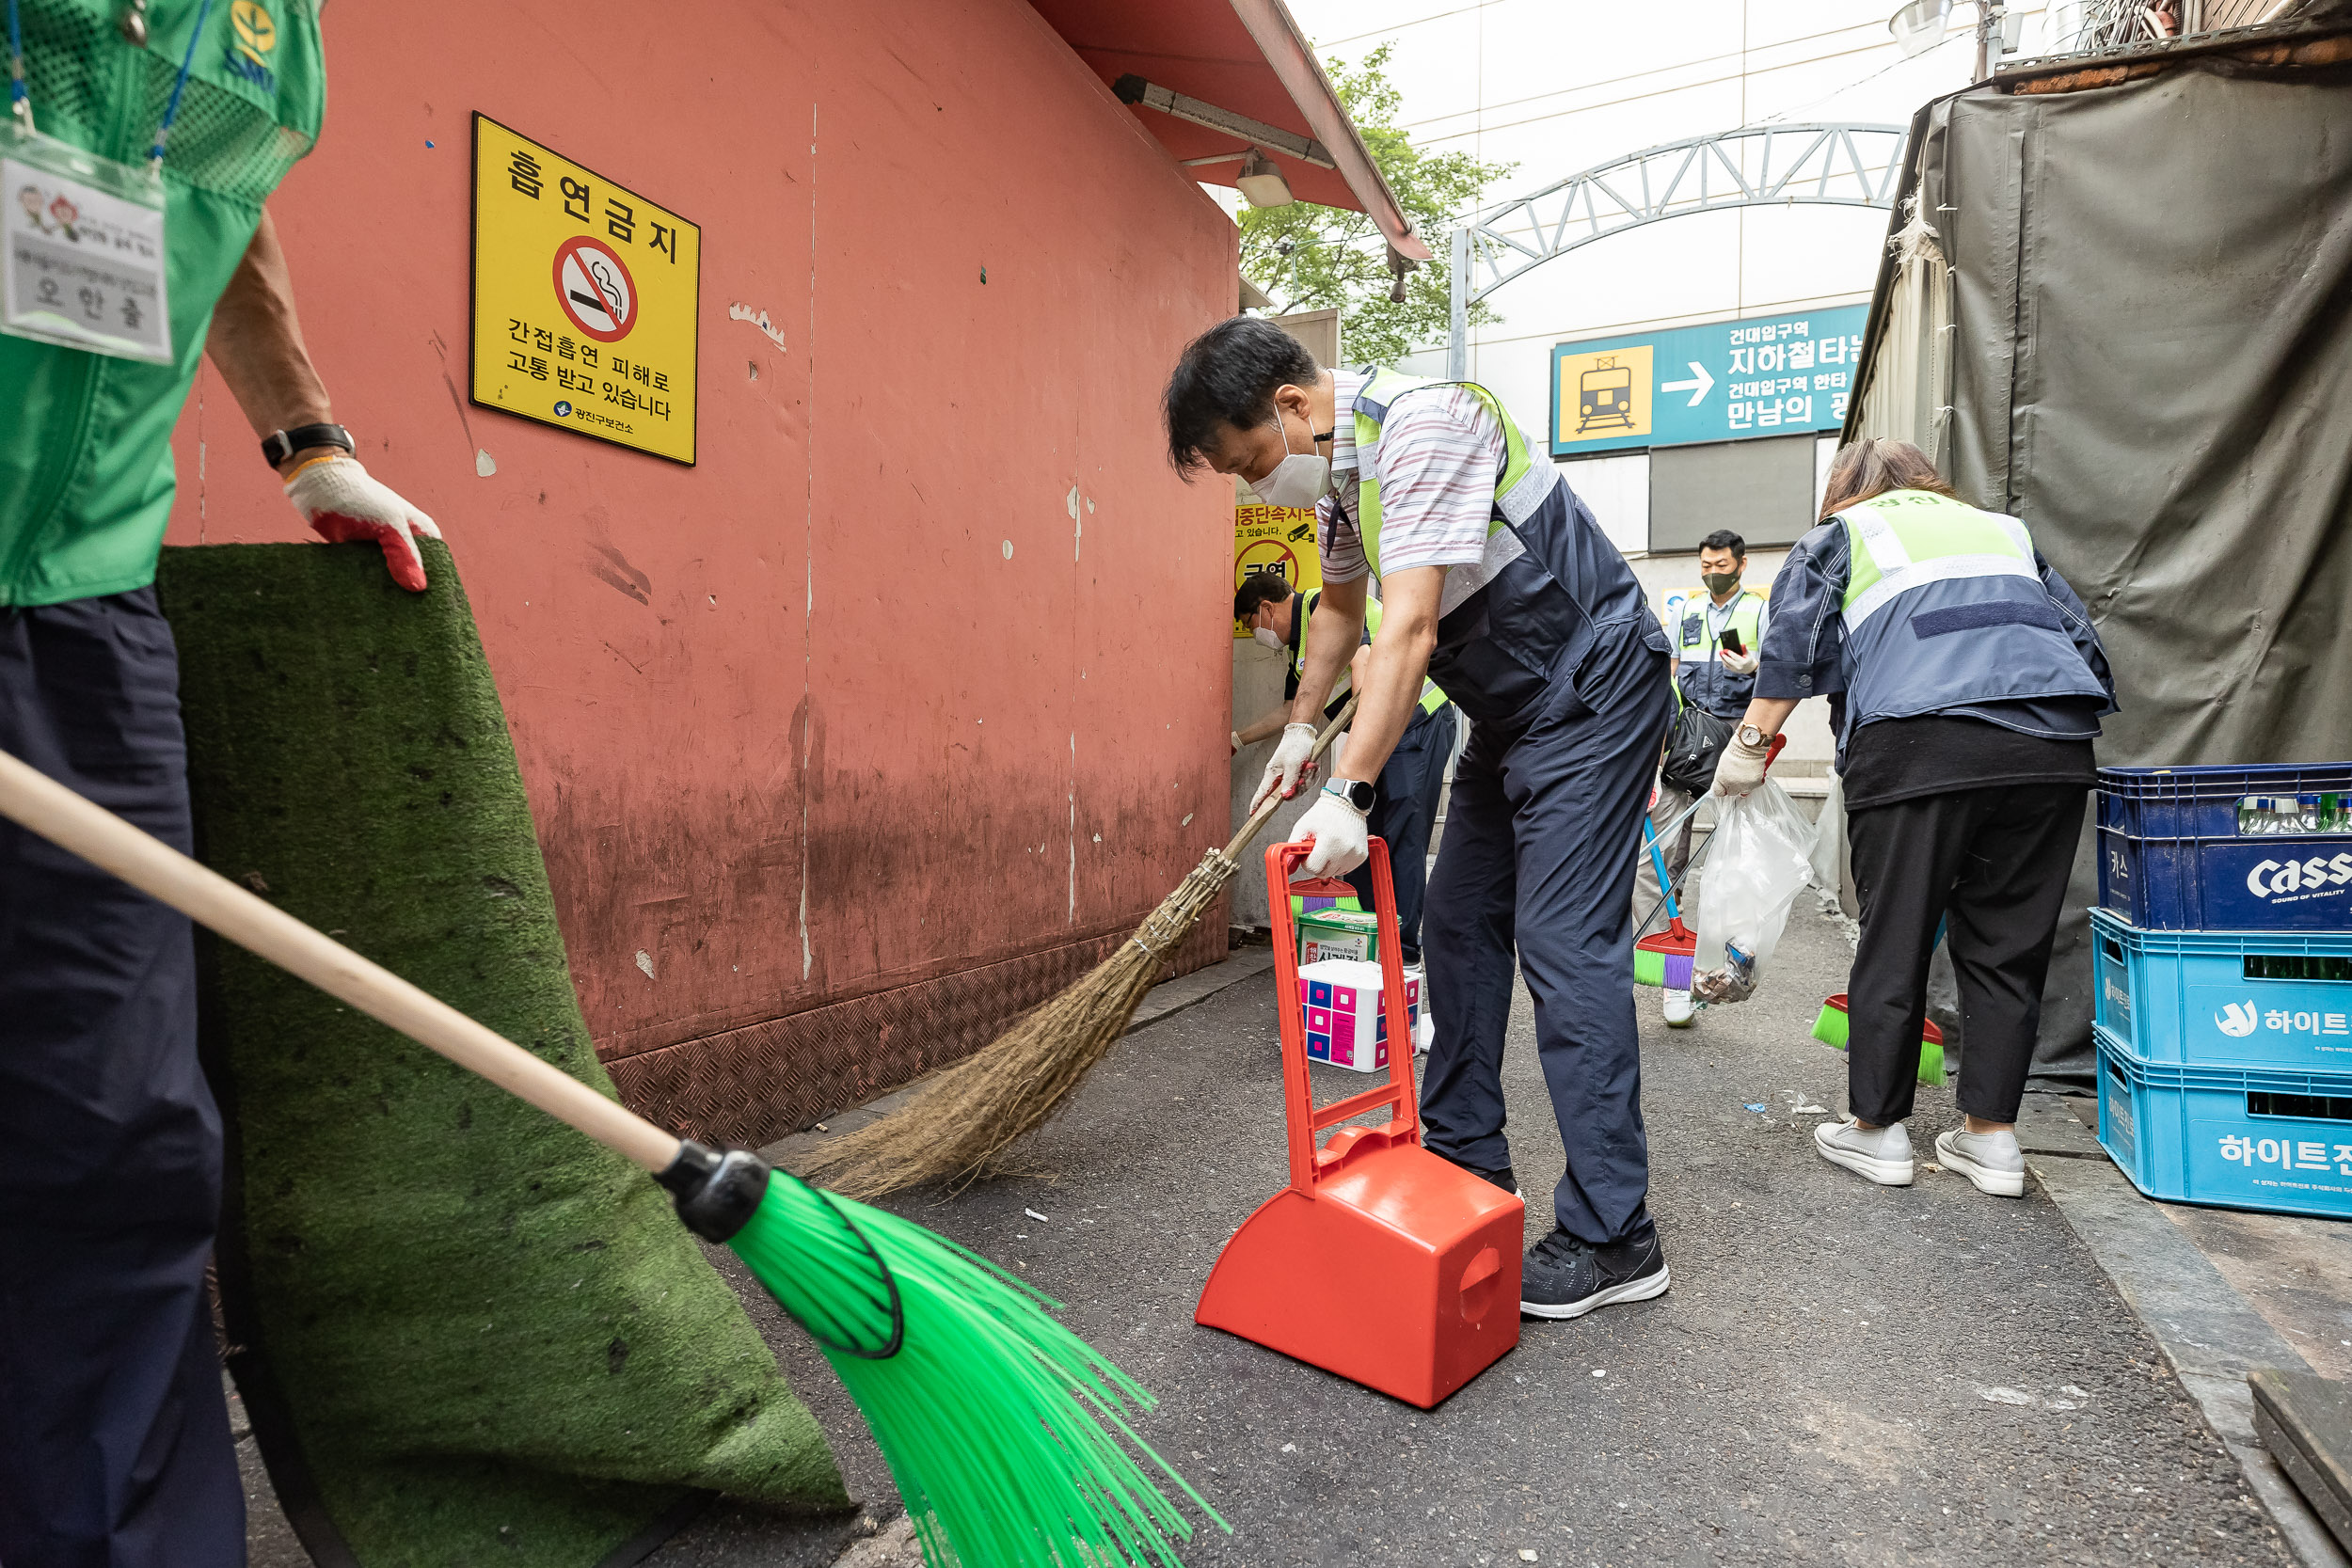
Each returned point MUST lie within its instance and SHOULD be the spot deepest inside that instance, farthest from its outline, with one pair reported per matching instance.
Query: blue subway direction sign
(1729, 380)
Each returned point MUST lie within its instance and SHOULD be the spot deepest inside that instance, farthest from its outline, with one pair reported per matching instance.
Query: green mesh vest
(86, 470)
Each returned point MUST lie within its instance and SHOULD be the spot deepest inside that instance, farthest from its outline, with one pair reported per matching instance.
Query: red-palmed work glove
(335, 496)
(1290, 765)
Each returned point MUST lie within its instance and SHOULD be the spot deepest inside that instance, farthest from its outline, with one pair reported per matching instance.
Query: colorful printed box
(1346, 1023)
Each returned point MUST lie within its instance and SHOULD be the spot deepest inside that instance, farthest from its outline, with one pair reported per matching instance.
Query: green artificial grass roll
(490, 1339)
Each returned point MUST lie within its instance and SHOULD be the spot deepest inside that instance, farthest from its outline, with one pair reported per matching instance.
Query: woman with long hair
(1973, 684)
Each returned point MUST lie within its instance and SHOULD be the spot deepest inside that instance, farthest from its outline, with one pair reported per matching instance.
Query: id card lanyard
(82, 257)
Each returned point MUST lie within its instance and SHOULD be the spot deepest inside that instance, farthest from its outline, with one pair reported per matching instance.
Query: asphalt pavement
(1841, 1374)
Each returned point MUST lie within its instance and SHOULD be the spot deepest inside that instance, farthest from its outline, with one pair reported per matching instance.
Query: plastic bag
(1761, 858)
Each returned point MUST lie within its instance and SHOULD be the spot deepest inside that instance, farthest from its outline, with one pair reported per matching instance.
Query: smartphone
(1731, 640)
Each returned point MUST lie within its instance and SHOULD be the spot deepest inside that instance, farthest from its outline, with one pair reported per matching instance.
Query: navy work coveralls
(1565, 673)
(113, 1438)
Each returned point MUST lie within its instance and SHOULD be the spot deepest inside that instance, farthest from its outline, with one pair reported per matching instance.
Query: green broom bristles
(990, 1413)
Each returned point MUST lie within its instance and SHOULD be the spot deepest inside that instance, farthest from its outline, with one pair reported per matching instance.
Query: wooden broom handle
(1264, 815)
(41, 805)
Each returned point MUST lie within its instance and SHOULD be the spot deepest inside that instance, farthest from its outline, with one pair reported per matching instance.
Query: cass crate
(2229, 848)
(2238, 1137)
(2264, 999)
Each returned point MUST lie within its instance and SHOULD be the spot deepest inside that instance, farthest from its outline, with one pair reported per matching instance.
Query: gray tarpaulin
(2152, 366)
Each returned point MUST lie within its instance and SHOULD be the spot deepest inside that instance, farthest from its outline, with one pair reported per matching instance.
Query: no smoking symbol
(595, 289)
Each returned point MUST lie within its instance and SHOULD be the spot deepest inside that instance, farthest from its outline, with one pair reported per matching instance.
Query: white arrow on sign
(1699, 387)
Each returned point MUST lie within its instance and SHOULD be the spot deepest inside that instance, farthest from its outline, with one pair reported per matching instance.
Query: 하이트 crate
(2228, 849)
(2262, 999)
(2236, 1137)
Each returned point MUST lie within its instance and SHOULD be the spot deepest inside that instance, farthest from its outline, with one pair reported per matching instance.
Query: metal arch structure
(1841, 164)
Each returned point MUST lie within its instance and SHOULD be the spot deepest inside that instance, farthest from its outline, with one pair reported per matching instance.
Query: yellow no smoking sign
(584, 298)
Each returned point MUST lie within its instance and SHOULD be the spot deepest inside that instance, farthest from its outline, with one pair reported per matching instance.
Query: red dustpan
(1380, 1262)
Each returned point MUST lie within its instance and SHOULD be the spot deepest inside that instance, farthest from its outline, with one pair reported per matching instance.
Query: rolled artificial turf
(489, 1339)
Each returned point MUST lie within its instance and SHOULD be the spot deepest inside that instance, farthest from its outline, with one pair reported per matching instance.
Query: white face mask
(1300, 480)
(1267, 639)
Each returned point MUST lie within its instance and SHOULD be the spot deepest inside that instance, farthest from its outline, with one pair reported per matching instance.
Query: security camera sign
(585, 299)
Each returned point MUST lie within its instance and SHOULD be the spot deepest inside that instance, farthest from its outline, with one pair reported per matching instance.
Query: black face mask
(1721, 582)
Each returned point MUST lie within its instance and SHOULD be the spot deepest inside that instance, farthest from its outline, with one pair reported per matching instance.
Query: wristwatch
(1356, 792)
(278, 445)
(1751, 736)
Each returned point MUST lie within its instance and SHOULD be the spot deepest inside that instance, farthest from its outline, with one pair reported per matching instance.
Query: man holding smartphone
(1716, 629)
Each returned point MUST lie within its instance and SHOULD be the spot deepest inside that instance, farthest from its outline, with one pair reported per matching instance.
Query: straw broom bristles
(959, 1129)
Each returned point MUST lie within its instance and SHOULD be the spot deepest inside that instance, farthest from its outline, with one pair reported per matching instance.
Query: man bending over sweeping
(1497, 583)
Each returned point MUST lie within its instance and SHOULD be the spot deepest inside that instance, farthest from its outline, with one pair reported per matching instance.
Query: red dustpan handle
(1302, 1121)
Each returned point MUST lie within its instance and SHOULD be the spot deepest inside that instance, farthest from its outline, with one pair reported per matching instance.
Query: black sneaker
(1563, 1278)
(1503, 1177)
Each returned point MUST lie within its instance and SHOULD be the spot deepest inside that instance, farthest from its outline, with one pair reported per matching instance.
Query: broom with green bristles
(1006, 1433)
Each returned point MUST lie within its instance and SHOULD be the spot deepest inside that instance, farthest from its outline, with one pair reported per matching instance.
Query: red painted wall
(795, 727)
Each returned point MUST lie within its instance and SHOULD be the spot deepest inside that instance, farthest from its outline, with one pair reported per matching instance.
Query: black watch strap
(278, 445)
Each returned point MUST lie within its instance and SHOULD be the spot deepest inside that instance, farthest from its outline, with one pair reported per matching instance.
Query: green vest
(1907, 538)
(1694, 643)
(1431, 698)
(1382, 389)
(86, 469)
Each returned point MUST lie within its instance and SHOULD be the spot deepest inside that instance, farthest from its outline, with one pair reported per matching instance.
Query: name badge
(84, 239)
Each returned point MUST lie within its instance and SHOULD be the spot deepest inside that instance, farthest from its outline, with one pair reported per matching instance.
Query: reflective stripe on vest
(1521, 487)
(1432, 699)
(1907, 538)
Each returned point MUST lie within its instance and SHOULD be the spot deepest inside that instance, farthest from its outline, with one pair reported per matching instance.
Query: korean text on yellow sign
(584, 298)
(1276, 539)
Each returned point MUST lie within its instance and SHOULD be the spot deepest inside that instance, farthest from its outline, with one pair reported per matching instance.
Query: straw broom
(1008, 1435)
(960, 1127)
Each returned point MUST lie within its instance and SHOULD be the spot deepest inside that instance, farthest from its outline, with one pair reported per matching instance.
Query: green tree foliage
(1311, 258)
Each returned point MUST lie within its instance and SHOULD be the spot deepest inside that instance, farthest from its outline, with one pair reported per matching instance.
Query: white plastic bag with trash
(1758, 860)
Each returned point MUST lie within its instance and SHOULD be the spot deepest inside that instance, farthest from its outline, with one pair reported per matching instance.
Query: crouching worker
(1497, 583)
(1407, 795)
(1974, 684)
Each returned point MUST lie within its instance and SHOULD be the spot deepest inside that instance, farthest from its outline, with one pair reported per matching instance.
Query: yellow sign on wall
(1603, 394)
(584, 298)
(1276, 539)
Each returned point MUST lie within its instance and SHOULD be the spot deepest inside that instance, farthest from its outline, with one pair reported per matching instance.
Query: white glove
(1740, 768)
(1291, 764)
(337, 498)
(1341, 833)
(1740, 664)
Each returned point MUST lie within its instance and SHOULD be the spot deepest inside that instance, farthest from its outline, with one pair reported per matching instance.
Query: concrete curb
(2209, 1332)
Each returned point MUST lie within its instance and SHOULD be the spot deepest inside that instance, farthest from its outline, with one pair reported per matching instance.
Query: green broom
(990, 1413)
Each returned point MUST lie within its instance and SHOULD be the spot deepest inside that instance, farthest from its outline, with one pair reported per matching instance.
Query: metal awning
(1241, 61)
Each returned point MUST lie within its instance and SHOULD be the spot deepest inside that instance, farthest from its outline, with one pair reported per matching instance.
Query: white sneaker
(1678, 1009)
(1881, 1153)
(1991, 1160)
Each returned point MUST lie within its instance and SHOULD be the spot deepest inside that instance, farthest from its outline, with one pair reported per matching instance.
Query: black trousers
(1991, 865)
(1404, 807)
(113, 1437)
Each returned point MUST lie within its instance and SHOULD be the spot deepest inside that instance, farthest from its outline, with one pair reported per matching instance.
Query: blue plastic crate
(2263, 998)
(2271, 800)
(2238, 884)
(2228, 849)
(2235, 1137)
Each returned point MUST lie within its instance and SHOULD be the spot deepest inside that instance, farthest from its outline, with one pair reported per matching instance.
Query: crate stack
(2222, 969)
